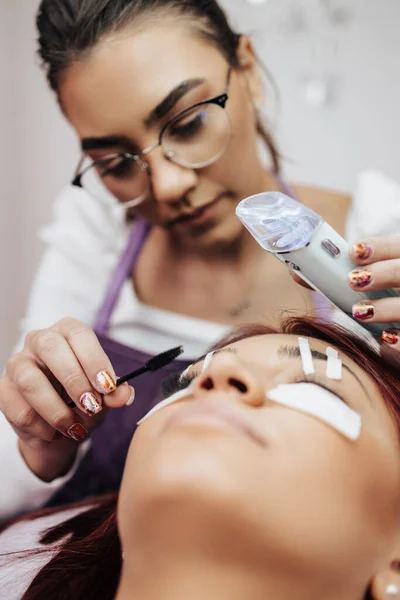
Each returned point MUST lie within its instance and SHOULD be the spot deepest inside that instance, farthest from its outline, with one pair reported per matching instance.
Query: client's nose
(228, 375)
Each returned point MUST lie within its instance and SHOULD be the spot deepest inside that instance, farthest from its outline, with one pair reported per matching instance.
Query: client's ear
(386, 584)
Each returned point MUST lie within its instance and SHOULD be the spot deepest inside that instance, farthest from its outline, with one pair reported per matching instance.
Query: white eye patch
(322, 404)
(171, 400)
(207, 361)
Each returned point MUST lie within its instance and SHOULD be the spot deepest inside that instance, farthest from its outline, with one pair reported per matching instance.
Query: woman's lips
(196, 217)
(215, 413)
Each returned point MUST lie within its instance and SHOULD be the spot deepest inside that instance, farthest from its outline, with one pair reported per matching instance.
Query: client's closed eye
(319, 401)
(177, 382)
(314, 379)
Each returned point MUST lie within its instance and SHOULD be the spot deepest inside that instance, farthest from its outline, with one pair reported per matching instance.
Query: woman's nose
(170, 182)
(226, 374)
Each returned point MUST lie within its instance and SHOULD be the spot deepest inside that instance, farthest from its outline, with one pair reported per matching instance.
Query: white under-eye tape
(185, 372)
(178, 395)
(310, 398)
(171, 400)
(207, 361)
(306, 356)
(334, 364)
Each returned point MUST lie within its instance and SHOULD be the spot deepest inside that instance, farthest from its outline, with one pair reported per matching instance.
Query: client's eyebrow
(294, 353)
(214, 353)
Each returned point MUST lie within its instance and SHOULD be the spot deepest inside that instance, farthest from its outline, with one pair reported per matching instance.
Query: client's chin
(189, 486)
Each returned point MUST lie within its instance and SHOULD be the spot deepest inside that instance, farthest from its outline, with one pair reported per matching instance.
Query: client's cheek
(379, 483)
(317, 402)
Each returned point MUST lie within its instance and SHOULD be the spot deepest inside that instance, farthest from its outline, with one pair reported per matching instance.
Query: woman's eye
(120, 168)
(188, 128)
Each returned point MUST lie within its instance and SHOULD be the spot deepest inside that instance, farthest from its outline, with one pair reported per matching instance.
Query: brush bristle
(164, 359)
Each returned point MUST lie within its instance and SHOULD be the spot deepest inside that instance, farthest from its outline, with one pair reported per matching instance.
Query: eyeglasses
(195, 138)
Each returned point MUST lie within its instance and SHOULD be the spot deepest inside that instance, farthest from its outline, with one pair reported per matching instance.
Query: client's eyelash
(176, 383)
(314, 379)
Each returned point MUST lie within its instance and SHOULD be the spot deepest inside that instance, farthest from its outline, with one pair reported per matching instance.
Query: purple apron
(101, 469)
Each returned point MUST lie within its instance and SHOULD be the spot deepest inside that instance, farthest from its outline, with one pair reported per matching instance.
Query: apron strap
(137, 236)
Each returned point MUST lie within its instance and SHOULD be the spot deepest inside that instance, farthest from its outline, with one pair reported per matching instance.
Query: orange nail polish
(106, 382)
(390, 336)
(363, 310)
(360, 279)
(362, 251)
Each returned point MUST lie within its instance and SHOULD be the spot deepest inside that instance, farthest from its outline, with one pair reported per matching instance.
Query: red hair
(88, 564)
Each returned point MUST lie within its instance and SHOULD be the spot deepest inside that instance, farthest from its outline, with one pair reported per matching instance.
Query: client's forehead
(276, 346)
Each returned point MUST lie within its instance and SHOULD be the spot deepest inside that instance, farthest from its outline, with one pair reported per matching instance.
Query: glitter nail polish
(390, 336)
(362, 251)
(360, 279)
(363, 310)
(90, 404)
(78, 432)
(106, 382)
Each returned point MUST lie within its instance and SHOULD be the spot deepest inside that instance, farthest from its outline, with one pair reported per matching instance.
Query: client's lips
(196, 214)
(214, 412)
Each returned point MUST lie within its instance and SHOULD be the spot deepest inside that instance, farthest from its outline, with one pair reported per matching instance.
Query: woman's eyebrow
(294, 353)
(103, 142)
(160, 111)
(164, 107)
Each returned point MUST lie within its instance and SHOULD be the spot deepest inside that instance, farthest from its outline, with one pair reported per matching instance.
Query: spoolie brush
(154, 364)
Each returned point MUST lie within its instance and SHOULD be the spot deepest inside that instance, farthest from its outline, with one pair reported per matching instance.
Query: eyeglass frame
(219, 100)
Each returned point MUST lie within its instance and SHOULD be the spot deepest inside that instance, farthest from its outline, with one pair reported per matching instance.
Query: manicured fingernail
(90, 404)
(362, 251)
(360, 279)
(131, 397)
(363, 310)
(106, 382)
(78, 432)
(390, 336)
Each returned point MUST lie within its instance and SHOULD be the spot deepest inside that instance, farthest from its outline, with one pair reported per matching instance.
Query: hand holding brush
(154, 364)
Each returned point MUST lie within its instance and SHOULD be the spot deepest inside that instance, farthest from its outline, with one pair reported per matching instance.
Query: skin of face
(113, 89)
(306, 501)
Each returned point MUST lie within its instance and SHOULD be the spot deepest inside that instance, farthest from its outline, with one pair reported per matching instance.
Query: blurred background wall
(336, 65)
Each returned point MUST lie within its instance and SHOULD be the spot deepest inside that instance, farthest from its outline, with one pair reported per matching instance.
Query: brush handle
(132, 375)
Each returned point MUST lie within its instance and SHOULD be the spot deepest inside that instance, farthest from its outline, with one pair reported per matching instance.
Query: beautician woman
(165, 98)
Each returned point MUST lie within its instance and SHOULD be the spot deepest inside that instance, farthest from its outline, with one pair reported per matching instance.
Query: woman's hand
(57, 365)
(378, 261)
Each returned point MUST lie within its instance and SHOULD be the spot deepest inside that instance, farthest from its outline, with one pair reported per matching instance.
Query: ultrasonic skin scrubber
(303, 240)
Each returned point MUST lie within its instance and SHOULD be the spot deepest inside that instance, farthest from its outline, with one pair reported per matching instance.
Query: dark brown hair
(88, 564)
(70, 29)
